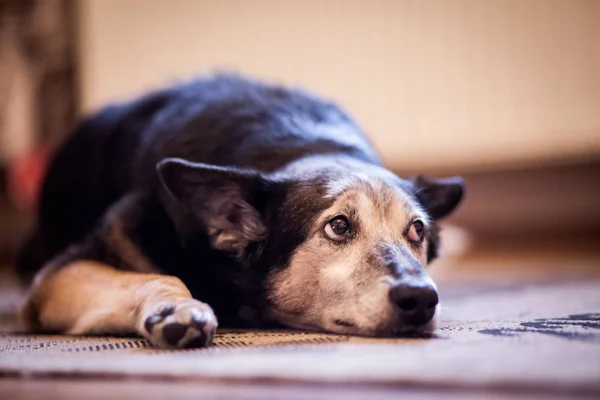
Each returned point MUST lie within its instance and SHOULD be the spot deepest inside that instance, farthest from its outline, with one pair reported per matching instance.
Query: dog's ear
(223, 199)
(439, 196)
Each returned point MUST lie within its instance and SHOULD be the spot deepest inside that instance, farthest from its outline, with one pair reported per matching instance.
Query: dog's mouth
(346, 327)
(392, 328)
(344, 323)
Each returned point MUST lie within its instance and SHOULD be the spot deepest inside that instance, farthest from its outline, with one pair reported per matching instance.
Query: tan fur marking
(87, 297)
(117, 237)
(126, 249)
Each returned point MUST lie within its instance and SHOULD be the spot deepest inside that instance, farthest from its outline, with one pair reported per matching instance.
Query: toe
(198, 320)
(166, 310)
(151, 321)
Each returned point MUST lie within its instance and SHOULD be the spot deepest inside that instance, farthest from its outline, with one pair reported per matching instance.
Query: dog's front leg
(86, 297)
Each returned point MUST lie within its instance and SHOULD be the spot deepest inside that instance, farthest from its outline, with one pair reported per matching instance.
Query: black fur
(218, 220)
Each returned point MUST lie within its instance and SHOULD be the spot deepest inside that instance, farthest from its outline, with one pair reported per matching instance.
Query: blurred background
(503, 92)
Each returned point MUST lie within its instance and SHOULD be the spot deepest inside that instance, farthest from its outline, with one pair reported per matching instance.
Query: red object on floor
(25, 176)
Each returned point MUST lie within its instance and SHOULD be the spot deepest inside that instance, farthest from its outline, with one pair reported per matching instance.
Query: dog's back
(223, 120)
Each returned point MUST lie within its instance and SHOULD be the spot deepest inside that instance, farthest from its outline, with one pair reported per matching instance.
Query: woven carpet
(542, 339)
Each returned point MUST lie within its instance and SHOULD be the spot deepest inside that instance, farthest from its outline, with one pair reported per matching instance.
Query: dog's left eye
(337, 228)
(416, 232)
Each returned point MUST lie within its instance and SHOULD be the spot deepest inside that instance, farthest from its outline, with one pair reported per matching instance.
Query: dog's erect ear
(223, 200)
(439, 196)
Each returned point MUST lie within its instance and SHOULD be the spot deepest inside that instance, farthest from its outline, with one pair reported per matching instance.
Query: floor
(52, 389)
(520, 320)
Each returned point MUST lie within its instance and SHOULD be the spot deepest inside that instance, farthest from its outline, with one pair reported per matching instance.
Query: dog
(227, 200)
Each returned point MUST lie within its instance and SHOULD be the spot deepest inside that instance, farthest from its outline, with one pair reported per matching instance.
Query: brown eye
(416, 232)
(337, 228)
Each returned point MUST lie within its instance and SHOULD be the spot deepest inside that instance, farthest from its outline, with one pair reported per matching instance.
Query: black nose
(416, 301)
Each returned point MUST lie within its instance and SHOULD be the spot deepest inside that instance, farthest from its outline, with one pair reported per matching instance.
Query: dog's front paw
(183, 324)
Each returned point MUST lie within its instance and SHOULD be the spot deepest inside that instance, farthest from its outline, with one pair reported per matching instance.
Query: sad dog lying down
(229, 202)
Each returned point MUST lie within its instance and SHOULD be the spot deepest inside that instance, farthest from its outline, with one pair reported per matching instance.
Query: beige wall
(454, 84)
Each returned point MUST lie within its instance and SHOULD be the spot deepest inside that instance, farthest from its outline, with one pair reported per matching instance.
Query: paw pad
(173, 333)
(189, 324)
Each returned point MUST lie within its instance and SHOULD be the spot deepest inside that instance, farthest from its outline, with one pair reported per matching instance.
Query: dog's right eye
(337, 228)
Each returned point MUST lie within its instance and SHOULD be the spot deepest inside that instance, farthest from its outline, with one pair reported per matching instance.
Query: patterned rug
(542, 339)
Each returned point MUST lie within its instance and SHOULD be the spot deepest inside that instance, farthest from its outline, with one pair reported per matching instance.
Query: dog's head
(342, 246)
